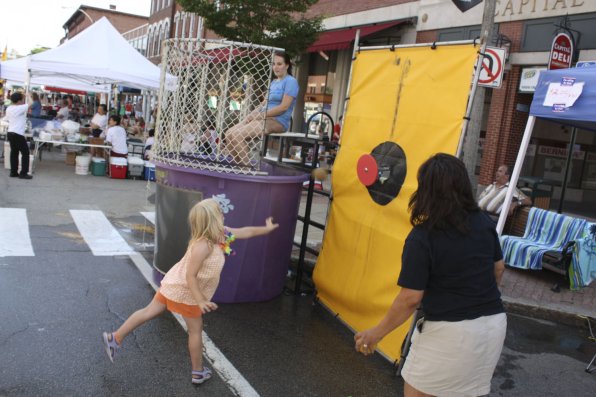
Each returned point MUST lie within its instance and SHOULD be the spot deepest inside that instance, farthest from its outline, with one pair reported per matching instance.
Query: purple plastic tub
(258, 270)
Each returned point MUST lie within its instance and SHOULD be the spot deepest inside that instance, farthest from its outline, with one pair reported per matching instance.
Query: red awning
(64, 90)
(343, 38)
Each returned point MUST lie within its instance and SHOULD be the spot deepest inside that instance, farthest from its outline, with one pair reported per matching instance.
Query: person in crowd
(116, 136)
(492, 198)
(138, 128)
(99, 122)
(139, 109)
(451, 263)
(337, 130)
(271, 117)
(149, 144)
(187, 288)
(64, 111)
(16, 115)
(35, 109)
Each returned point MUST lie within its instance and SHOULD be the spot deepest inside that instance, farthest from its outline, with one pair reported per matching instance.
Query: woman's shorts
(455, 358)
(189, 311)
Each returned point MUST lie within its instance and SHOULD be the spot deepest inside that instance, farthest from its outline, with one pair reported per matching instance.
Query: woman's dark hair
(286, 58)
(116, 118)
(35, 96)
(15, 97)
(152, 132)
(444, 197)
(104, 107)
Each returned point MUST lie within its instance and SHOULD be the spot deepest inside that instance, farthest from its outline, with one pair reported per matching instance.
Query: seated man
(492, 198)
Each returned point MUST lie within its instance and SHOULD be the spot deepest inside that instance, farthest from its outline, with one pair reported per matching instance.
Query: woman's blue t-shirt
(287, 86)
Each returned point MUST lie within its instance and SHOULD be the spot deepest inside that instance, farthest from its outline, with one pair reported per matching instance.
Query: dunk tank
(405, 104)
(207, 87)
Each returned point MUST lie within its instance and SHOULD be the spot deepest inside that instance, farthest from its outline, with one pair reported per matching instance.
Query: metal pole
(567, 169)
(470, 151)
(515, 174)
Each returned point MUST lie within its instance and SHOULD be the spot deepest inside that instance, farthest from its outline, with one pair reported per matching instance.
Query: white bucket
(82, 165)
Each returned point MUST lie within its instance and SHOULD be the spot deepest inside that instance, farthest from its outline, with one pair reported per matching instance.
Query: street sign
(585, 64)
(491, 72)
(561, 52)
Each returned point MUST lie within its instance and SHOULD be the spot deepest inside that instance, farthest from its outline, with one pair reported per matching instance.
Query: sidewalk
(525, 292)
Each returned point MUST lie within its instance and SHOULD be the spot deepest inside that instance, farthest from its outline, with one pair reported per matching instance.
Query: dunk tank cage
(207, 87)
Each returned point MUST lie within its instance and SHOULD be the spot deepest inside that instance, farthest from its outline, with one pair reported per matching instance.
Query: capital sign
(561, 52)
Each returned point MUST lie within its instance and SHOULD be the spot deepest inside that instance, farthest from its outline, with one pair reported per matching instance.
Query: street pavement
(55, 303)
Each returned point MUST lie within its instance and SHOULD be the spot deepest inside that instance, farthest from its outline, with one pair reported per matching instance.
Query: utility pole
(470, 150)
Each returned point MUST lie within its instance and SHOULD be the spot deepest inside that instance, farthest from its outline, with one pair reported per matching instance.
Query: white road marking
(99, 234)
(230, 375)
(14, 233)
(150, 216)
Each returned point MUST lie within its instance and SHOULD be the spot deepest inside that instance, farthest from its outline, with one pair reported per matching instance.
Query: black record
(391, 163)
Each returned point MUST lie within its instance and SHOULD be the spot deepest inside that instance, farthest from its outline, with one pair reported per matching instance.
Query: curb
(556, 313)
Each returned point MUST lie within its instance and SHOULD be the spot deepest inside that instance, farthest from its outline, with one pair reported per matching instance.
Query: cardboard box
(96, 151)
(71, 158)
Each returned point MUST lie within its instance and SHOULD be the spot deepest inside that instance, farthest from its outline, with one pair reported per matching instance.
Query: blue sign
(585, 64)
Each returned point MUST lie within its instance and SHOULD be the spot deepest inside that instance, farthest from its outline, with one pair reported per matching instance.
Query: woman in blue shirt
(276, 113)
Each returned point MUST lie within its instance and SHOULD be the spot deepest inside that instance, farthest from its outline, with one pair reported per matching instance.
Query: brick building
(525, 27)
(85, 16)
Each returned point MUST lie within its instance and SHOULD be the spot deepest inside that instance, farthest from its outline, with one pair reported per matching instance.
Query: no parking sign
(493, 63)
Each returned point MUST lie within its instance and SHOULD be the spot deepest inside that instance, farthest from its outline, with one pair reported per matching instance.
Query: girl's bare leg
(195, 342)
(139, 318)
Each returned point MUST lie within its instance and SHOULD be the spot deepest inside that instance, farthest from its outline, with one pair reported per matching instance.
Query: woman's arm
(285, 104)
(499, 270)
(199, 252)
(402, 308)
(253, 231)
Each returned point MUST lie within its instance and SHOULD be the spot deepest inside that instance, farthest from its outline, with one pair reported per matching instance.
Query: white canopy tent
(14, 72)
(98, 56)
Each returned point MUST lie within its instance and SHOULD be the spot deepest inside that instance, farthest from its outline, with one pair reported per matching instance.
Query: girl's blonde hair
(206, 221)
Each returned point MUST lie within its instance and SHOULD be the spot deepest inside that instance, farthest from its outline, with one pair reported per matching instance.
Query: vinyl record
(392, 169)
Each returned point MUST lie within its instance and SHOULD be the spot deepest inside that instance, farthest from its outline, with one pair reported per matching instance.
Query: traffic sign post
(493, 65)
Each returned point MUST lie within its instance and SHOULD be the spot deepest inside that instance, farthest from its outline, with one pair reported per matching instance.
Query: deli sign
(561, 52)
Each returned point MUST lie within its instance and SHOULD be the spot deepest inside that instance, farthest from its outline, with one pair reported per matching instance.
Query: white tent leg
(515, 174)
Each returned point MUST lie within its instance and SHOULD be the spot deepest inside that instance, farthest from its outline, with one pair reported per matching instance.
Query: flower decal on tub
(224, 203)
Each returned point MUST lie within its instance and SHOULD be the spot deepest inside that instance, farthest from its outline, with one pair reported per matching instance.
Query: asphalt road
(55, 304)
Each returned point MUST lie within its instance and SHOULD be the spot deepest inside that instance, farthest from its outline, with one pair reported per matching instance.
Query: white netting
(209, 86)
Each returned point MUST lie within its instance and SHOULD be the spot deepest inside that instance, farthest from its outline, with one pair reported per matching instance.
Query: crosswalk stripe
(15, 239)
(150, 216)
(99, 234)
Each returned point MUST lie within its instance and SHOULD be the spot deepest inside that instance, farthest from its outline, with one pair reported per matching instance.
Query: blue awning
(582, 114)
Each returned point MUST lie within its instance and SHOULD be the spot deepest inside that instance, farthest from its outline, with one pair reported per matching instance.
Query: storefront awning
(343, 38)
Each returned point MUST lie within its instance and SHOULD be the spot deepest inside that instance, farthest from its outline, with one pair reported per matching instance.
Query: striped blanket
(583, 269)
(545, 231)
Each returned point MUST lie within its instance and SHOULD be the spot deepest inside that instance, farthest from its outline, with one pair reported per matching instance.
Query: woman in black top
(452, 264)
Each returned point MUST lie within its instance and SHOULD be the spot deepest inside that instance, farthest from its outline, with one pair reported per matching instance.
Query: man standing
(16, 114)
(492, 198)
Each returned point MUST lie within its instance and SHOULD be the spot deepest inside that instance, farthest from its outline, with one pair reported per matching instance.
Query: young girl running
(187, 287)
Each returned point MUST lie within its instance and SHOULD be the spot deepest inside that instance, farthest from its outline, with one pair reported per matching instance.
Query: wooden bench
(546, 242)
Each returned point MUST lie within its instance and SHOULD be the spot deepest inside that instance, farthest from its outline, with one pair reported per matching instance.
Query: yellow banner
(415, 97)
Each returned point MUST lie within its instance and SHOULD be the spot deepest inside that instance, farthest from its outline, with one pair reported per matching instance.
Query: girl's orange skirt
(189, 311)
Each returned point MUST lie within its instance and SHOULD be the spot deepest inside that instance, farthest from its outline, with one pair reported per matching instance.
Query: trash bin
(258, 270)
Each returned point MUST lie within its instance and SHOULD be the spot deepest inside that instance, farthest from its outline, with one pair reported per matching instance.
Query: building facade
(85, 16)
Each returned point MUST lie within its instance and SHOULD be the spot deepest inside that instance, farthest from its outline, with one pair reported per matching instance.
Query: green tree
(38, 50)
(277, 23)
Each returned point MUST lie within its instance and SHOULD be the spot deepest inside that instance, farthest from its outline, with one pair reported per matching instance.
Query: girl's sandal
(199, 377)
